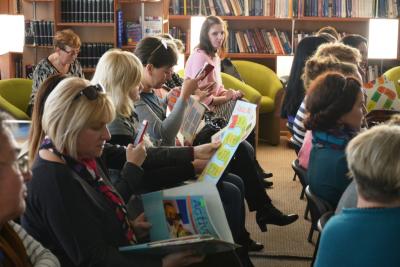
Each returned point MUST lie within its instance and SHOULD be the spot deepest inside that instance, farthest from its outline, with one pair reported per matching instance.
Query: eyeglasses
(71, 52)
(163, 43)
(21, 164)
(91, 92)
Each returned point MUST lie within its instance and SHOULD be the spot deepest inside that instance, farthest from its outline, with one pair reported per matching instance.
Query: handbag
(213, 124)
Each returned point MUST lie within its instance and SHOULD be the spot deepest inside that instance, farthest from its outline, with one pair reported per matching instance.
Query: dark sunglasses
(91, 92)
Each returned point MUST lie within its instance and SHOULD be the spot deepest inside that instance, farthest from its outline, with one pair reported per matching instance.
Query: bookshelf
(275, 18)
(97, 22)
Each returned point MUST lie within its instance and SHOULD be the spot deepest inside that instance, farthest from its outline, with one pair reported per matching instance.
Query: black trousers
(243, 165)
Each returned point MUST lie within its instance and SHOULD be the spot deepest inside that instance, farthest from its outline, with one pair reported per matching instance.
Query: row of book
(87, 11)
(18, 67)
(259, 41)
(288, 8)
(91, 53)
(131, 32)
(178, 33)
(39, 32)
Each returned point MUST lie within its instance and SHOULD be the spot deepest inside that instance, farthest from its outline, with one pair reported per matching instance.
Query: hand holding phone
(207, 68)
(141, 132)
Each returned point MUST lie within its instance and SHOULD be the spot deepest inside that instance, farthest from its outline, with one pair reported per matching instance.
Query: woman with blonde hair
(73, 209)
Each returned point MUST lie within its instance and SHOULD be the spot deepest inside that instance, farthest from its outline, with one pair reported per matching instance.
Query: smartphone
(141, 132)
(207, 68)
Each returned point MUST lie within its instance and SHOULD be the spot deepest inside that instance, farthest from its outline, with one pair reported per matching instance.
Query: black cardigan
(76, 222)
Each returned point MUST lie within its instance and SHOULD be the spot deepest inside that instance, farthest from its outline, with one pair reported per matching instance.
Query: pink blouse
(196, 62)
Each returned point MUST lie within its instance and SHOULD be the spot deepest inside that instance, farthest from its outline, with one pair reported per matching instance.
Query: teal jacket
(327, 169)
(361, 237)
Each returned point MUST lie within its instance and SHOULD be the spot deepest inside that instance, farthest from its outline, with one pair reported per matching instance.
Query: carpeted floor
(287, 245)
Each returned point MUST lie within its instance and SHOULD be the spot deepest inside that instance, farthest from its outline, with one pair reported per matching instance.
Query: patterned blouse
(45, 69)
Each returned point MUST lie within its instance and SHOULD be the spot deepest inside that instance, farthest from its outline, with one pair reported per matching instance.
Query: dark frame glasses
(71, 52)
(91, 92)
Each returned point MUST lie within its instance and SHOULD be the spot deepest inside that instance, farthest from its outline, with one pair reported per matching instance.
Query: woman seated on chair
(335, 103)
(315, 66)
(157, 68)
(17, 248)
(368, 235)
(328, 56)
(72, 208)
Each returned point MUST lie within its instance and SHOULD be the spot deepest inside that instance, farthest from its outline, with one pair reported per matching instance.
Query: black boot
(269, 214)
(267, 184)
(254, 245)
(261, 171)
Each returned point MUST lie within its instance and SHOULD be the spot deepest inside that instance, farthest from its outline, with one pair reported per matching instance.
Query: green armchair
(265, 81)
(14, 97)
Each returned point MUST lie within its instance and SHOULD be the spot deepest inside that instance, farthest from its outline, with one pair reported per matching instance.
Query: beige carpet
(287, 245)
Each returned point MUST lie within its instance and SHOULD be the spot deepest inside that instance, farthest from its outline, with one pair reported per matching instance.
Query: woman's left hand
(205, 151)
(140, 226)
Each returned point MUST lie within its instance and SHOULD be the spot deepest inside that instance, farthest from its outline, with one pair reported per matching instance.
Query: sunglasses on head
(162, 44)
(91, 92)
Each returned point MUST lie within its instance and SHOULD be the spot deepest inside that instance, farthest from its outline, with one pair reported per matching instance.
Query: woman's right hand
(189, 86)
(136, 155)
(181, 259)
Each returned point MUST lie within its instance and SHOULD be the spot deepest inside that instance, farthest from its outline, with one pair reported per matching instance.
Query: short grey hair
(373, 159)
(65, 116)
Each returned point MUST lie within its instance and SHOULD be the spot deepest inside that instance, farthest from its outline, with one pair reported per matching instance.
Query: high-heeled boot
(269, 214)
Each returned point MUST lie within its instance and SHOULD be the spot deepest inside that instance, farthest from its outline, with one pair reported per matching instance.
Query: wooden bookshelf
(291, 25)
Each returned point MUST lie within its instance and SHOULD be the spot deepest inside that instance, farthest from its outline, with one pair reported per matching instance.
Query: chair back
(14, 97)
(300, 171)
(317, 206)
(262, 78)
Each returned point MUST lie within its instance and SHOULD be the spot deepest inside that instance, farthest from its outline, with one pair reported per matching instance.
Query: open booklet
(192, 120)
(240, 125)
(185, 217)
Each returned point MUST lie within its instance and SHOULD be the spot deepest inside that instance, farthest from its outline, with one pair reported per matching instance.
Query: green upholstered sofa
(14, 97)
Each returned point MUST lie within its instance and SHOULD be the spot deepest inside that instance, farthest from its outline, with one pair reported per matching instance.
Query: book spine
(120, 28)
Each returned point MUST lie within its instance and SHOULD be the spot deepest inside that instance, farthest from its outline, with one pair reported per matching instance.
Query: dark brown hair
(151, 50)
(36, 133)
(205, 43)
(330, 96)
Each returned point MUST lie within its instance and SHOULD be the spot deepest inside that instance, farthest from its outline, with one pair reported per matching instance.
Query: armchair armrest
(250, 94)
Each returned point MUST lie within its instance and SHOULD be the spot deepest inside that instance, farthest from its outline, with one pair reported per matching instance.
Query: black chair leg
(310, 234)
(294, 177)
(315, 250)
(306, 212)
(302, 193)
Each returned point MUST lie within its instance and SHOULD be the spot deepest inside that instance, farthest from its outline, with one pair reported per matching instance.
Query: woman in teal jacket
(336, 108)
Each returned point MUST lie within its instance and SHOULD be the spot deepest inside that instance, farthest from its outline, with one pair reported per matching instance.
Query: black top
(75, 221)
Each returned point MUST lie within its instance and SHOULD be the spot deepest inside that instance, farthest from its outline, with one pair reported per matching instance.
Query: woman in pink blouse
(211, 47)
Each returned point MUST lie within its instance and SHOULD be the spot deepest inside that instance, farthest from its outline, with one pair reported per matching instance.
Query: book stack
(39, 32)
(91, 52)
(260, 41)
(87, 11)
